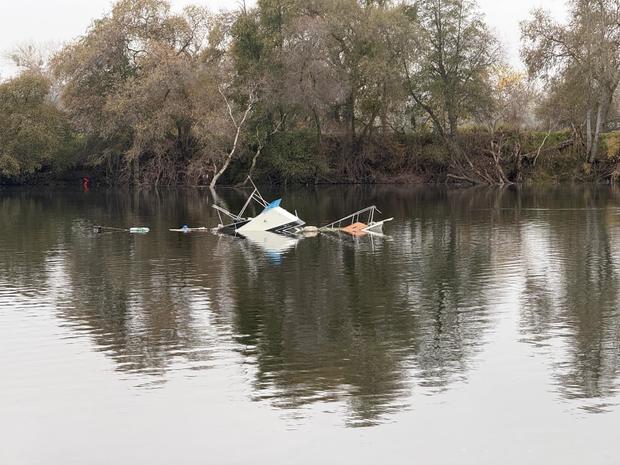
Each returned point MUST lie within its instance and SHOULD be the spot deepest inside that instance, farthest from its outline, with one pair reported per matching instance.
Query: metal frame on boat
(273, 218)
(358, 223)
(274, 221)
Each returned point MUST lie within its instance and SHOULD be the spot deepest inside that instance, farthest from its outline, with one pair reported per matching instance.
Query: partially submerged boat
(359, 223)
(276, 230)
(273, 218)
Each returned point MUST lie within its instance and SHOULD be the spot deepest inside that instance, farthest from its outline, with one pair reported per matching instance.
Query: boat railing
(353, 218)
(227, 213)
(255, 195)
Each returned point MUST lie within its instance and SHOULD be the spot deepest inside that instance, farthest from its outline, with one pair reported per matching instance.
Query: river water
(483, 329)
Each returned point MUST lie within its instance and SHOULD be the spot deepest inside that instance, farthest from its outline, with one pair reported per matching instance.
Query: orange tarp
(355, 229)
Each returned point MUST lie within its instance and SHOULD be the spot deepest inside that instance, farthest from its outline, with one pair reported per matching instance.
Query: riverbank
(300, 157)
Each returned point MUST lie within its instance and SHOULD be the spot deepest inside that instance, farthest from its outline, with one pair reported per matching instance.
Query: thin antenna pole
(247, 202)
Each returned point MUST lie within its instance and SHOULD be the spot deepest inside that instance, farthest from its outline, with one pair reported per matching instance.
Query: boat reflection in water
(272, 244)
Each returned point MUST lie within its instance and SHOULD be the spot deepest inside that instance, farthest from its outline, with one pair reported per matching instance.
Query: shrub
(292, 156)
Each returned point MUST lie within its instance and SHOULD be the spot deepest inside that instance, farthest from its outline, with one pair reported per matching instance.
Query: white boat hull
(275, 219)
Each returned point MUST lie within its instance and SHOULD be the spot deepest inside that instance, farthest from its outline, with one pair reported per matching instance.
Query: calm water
(484, 329)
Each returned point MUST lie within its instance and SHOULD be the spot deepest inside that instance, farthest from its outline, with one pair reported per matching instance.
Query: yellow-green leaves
(33, 131)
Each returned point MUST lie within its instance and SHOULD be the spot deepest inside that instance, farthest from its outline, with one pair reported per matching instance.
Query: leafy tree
(581, 57)
(511, 103)
(453, 52)
(126, 85)
(33, 132)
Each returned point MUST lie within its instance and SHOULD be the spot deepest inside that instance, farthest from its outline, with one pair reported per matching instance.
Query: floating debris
(359, 223)
(133, 230)
(139, 230)
(186, 229)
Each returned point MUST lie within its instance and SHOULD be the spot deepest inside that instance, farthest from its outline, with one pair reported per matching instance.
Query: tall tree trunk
(238, 127)
(589, 131)
(253, 165)
(384, 109)
(452, 117)
(453, 147)
(452, 120)
(597, 134)
(317, 123)
(351, 119)
(601, 120)
(229, 157)
(136, 170)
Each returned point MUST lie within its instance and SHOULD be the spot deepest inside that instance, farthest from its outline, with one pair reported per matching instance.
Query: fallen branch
(462, 178)
(560, 146)
(540, 147)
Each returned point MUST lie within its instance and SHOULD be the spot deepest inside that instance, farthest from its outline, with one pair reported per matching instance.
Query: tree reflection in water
(369, 325)
(574, 295)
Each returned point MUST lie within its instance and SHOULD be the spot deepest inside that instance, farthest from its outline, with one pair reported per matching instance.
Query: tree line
(315, 91)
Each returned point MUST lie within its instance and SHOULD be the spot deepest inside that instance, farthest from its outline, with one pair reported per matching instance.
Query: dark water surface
(484, 330)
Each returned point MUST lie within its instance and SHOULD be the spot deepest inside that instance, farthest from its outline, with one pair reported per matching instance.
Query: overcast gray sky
(58, 21)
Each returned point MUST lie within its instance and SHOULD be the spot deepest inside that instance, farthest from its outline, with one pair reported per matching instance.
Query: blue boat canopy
(274, 204)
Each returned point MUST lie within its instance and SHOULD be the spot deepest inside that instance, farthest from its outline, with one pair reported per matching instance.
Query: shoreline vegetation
(314, 92)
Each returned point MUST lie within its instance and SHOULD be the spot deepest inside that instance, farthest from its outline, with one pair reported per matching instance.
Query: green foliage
(293, 156)
(424, 149)
(33, 132)
(449, 61)
(247, 43)
(433, 154)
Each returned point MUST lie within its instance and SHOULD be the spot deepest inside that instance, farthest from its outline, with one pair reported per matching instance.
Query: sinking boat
(359, 223)
(273, 218)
